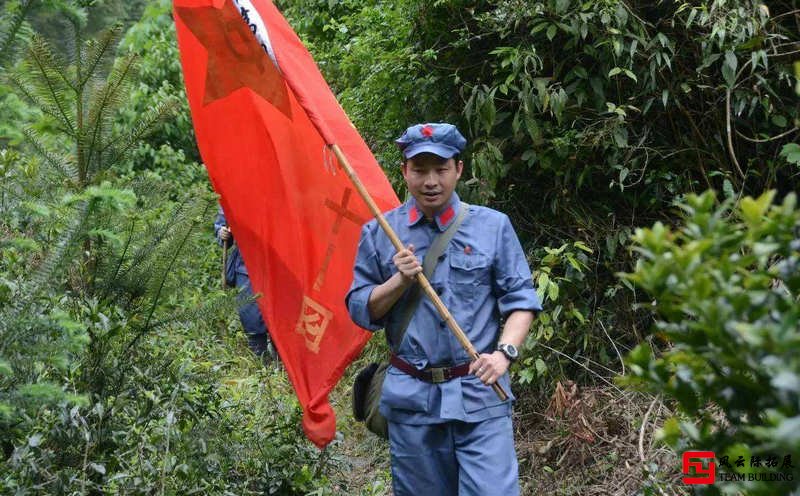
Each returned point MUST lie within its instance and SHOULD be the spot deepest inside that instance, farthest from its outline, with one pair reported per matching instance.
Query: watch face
(509, 350)
(512, 350)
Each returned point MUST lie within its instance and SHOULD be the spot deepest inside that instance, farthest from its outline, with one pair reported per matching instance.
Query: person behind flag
(236, 275)
(449, 432)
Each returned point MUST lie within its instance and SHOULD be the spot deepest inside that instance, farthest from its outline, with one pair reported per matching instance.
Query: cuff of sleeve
(524, 299)
(359, 311)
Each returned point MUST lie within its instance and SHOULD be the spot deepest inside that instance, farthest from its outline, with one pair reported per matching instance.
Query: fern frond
(106, 100)
(117, 150)
(51, 65)
(137, 272)
(62, 164)
(46, 63)
(23, 87)
(98, 50)
(113, 89)
(109, 95)
(166, 260)
(224, 304)
(11, 28)
(150, 188)
(131, 275)
(77, 18)
(111, 280)
(192, 215)
(47, 272)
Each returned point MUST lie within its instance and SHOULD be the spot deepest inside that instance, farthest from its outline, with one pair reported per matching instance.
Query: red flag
(263, 116)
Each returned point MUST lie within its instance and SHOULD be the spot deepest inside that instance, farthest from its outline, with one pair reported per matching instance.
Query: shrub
(113, 375)
(725, 290)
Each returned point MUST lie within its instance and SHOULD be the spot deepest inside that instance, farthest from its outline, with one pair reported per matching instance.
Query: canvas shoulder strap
(429, 264)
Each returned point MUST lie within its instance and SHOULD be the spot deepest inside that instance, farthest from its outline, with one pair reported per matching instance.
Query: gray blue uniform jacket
(482, 276)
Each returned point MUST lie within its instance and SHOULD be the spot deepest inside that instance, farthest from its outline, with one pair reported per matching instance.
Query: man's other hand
(224, 233)
(489, 367)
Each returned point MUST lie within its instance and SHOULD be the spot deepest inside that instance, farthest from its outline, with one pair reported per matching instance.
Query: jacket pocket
(470, 268)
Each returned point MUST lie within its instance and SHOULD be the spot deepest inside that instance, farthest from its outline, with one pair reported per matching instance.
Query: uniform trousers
(454, 458)
(250, 316)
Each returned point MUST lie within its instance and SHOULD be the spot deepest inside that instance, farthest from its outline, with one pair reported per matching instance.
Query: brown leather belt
(434, 375)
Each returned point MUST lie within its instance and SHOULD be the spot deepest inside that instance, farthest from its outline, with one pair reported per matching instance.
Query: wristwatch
(509, 350)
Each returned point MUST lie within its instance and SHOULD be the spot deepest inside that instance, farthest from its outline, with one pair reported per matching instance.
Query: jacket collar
(443, 218)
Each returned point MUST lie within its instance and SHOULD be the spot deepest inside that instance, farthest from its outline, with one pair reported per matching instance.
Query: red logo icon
(427, 131)
(701, 475)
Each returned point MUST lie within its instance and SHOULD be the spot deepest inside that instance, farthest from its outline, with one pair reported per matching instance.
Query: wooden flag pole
(224, 262)
(421, 279)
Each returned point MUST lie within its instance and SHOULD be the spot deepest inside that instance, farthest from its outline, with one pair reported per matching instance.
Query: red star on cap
(235, 59)
(427, 131)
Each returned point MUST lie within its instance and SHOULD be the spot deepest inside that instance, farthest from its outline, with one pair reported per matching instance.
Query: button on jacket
(482, 276)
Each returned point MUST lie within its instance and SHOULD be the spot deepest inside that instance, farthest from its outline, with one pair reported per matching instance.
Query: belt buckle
(438, 375)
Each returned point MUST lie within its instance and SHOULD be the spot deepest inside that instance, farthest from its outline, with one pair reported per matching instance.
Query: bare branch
(767, 140)
(729, 134)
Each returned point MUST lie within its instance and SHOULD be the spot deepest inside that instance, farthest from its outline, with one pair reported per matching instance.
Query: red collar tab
(445, 217)
(442, 220)
(413, 215)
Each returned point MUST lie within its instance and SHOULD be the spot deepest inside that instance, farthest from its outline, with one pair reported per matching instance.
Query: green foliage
(170, 151)
(597, 91)
(115, 372)
(60, 89)
(14, 33)
(791, 152)
(12, 27)
(725, 290)
(560, 279)
(585, 120)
